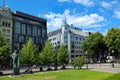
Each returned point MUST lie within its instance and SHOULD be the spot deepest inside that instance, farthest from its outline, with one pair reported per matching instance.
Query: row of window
(22, 39)
(6, 32)
(53, 39)
(55, 43)
(79, 38)
(29, 30)
(6, 23)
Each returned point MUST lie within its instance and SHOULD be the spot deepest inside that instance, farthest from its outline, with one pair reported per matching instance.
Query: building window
(43, 32)
(17, 27)
(29, 30)
(34, 30)
(16, 38)
(8, 32)
(21, 38)
(9, 24)
(39, 31)
(23, 29)
(3, 23)
(40, 40)
(4, 31)
(36, 40)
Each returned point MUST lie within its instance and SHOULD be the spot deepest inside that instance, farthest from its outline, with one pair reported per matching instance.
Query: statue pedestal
(16, 71)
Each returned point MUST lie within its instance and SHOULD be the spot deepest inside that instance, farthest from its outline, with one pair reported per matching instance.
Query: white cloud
(56, 20)
(85, 2)
(105, 4)
(117, 14)
(64, 0)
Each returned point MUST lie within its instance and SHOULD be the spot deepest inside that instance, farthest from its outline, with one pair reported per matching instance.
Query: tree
(78, 62)
(47, 55)
(94, 45)
(5, 52)
(29, 53)
(112, 40)
(62, 55)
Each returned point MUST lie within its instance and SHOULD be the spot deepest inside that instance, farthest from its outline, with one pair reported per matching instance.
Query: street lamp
(86, 59)
(112, 59)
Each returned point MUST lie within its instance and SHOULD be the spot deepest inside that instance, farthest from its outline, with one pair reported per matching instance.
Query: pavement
(107, 67)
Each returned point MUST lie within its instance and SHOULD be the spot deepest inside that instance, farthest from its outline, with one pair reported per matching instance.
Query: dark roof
(54, 32)
(21, 14)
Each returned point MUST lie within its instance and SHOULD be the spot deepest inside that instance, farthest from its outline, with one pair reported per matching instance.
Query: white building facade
(71, 37)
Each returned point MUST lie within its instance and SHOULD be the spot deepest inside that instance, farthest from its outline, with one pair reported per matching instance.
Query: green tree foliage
(94, 44)
(5, 52)
(62, 55)
(78, 62)
(29, 53)
(112, 40)
(47, 55)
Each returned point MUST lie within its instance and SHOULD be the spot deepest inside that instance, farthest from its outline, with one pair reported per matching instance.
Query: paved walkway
(104, 68)
(96, 67)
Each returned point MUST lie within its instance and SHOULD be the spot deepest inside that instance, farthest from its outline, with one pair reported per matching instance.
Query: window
(8, 32)
(16, 38)
(21, 38)
(3, 23)
(17, 27)
(9, 24)
(43, 32)
(39, 31)
(8, 40)
(4, 31)
(29, 30)
(23, 29)
(34, 30)
(36, 40)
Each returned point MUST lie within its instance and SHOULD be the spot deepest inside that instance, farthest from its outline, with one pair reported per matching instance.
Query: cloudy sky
(89, 15)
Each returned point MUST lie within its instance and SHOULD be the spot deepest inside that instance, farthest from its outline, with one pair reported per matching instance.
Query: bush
(78, 62)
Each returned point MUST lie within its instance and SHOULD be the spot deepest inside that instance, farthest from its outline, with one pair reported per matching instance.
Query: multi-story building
(6, 23)
(26, 26)
(71, 37)
(18, 27)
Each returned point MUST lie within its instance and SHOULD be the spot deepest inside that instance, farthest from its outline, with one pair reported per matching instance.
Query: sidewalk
(104, 68)
(95, 67)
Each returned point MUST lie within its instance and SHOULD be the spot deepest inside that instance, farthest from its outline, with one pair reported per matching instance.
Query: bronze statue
(15, 57)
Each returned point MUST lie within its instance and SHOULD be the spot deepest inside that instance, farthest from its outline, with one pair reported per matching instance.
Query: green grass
(63, 75)
(114, 77)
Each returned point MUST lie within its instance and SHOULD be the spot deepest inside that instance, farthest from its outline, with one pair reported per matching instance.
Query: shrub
(78, 62)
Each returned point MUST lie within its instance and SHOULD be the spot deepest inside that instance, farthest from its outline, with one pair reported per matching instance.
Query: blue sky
(90, 15)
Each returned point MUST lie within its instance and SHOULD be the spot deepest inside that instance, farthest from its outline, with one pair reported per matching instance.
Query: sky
(89, 15)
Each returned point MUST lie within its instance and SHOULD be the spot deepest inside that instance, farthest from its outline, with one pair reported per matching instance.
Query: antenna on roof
(65, 21)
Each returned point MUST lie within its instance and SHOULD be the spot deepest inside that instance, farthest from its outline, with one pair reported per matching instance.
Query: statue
(15, 57)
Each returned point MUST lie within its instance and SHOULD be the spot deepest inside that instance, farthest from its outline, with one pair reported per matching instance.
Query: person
(112, 64)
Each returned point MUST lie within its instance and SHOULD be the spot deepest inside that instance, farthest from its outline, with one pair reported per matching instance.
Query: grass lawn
(63, 75)
(114, 77)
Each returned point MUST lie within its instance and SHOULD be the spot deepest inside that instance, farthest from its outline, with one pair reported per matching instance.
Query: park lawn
(63, 75)
(114, 77)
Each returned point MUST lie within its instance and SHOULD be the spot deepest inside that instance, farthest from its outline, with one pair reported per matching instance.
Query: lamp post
(86, 59)
(112, 59)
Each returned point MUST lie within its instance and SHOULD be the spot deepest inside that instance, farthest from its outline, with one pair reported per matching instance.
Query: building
(6, 23)
(26, 26)
(18, 27)
(71, 37)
